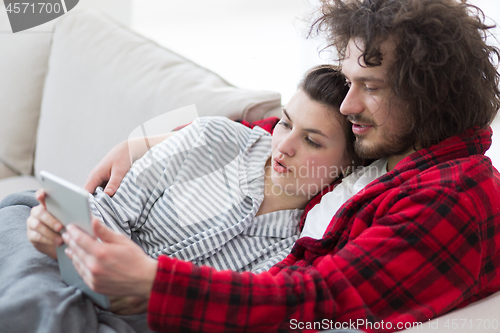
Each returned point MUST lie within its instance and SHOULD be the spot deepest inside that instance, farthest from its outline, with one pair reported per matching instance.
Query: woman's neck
(275, 197)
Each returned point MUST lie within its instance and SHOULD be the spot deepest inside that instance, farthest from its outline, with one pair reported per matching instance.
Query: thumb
(40, 196)
(112, 184)
(104, 233)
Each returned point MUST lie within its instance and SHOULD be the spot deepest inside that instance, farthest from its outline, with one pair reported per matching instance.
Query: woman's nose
(286, 146)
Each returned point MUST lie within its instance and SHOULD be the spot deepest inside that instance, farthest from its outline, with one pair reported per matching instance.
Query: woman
(250, 207)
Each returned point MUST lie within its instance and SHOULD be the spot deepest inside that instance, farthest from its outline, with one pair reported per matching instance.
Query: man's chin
(381, 150)
(370, 152)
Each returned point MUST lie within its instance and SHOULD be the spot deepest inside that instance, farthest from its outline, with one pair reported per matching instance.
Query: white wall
(120, 10)
(492, 10)
(255, 44)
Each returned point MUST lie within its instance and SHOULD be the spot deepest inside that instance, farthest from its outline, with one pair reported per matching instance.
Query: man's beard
(392, 144)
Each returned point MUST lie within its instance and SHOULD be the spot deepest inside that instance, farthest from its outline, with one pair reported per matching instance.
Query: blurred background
(255, 44)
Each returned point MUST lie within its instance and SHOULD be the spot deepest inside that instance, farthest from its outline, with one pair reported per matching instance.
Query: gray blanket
(32, 296)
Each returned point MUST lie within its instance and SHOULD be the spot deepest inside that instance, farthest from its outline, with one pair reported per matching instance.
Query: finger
(36, 237)
(40, 196)
(128, 305)
(104, 233)
(117, 304)
(94, 180)
(39, 232)
(81, 243)
(40, 213)
(113, 183)
(80, 266)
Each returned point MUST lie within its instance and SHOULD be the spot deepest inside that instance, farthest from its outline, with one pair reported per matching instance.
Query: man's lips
(279, 166)
(360, 129)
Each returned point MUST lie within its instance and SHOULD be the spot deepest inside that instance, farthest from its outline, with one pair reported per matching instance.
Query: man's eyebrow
(310, 130)
(366, 79)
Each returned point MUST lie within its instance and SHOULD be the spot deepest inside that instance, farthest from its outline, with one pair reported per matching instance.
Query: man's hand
(129, 305)
(112, 169)
(115, 265)
(117, 162)
(43, 228)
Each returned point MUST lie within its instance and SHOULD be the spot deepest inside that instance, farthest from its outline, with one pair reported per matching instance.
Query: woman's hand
(113, 265)
(43, 228)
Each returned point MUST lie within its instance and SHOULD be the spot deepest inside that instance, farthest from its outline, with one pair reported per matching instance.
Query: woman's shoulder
(219, 127)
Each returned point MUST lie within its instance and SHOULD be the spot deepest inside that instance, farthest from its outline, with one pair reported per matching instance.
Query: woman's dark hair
(443, 70)
(326, 84)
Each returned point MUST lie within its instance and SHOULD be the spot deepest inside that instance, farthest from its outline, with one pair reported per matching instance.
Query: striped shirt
(195, 197)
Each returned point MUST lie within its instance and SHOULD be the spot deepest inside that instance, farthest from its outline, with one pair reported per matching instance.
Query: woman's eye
(284, 124)
(312, 143)
(371, 89)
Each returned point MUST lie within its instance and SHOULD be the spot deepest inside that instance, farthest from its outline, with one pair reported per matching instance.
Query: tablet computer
(69, 204)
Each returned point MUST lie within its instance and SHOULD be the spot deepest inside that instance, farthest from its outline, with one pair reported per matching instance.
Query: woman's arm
(115, 165)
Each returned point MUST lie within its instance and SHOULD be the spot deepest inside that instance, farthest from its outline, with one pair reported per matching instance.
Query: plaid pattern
(267, 124)
(414, 244)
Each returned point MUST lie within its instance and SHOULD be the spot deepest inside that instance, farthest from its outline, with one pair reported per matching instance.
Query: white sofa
(68, 96)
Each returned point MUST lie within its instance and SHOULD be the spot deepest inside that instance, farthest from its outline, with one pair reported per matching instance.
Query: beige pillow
(104, 81)
(23, 64)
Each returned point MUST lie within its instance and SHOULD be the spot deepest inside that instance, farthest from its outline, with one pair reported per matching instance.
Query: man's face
(375, 112)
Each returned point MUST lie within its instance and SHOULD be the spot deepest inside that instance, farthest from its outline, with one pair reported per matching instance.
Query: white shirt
(320, 216)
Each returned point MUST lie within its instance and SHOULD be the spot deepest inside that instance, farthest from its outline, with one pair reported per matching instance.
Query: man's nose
(352, 103)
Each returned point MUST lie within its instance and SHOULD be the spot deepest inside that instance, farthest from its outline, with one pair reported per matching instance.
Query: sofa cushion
(481, 316)
(104, 81)
(23, 64)
(17, 184)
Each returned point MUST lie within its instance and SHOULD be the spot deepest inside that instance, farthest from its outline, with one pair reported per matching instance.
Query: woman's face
(309, 147)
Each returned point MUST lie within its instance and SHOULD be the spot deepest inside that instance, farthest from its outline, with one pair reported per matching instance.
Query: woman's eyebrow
(286, 114)
(310, 130)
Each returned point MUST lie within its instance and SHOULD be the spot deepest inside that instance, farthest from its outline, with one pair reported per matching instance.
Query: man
(415, 243)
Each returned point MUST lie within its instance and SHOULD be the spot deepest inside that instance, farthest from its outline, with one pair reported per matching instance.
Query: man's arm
(116, 163)
(410, 265)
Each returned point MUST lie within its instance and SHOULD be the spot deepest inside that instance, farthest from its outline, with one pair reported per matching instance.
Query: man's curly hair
(443, 67)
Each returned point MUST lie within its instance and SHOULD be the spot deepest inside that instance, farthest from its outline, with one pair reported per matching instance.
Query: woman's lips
(279, 166)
